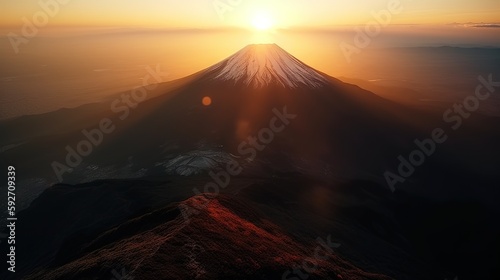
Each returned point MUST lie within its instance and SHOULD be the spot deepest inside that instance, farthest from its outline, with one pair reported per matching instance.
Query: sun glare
(262, 21)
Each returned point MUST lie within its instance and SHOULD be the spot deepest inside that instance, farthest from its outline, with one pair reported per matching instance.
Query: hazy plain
(70, 67)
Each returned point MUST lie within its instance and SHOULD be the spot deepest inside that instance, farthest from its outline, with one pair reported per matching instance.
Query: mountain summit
(263, 64)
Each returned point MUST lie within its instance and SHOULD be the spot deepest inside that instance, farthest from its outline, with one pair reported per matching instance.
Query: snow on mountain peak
(261, 65)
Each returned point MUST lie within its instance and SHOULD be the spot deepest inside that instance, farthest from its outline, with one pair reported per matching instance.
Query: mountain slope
(225, 240)
(258, 227)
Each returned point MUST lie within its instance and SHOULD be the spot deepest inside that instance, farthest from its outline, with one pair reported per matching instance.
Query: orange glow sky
(203, 14)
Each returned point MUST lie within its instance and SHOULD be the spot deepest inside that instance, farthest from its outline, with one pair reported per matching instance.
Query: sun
(262, 21)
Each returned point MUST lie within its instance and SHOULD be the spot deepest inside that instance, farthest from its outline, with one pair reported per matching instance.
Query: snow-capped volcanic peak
(261, 65)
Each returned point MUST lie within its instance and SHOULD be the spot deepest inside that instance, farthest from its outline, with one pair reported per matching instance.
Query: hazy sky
(284, 13)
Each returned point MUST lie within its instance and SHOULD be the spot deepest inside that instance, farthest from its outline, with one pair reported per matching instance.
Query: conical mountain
(266, 105)
(266, 108)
